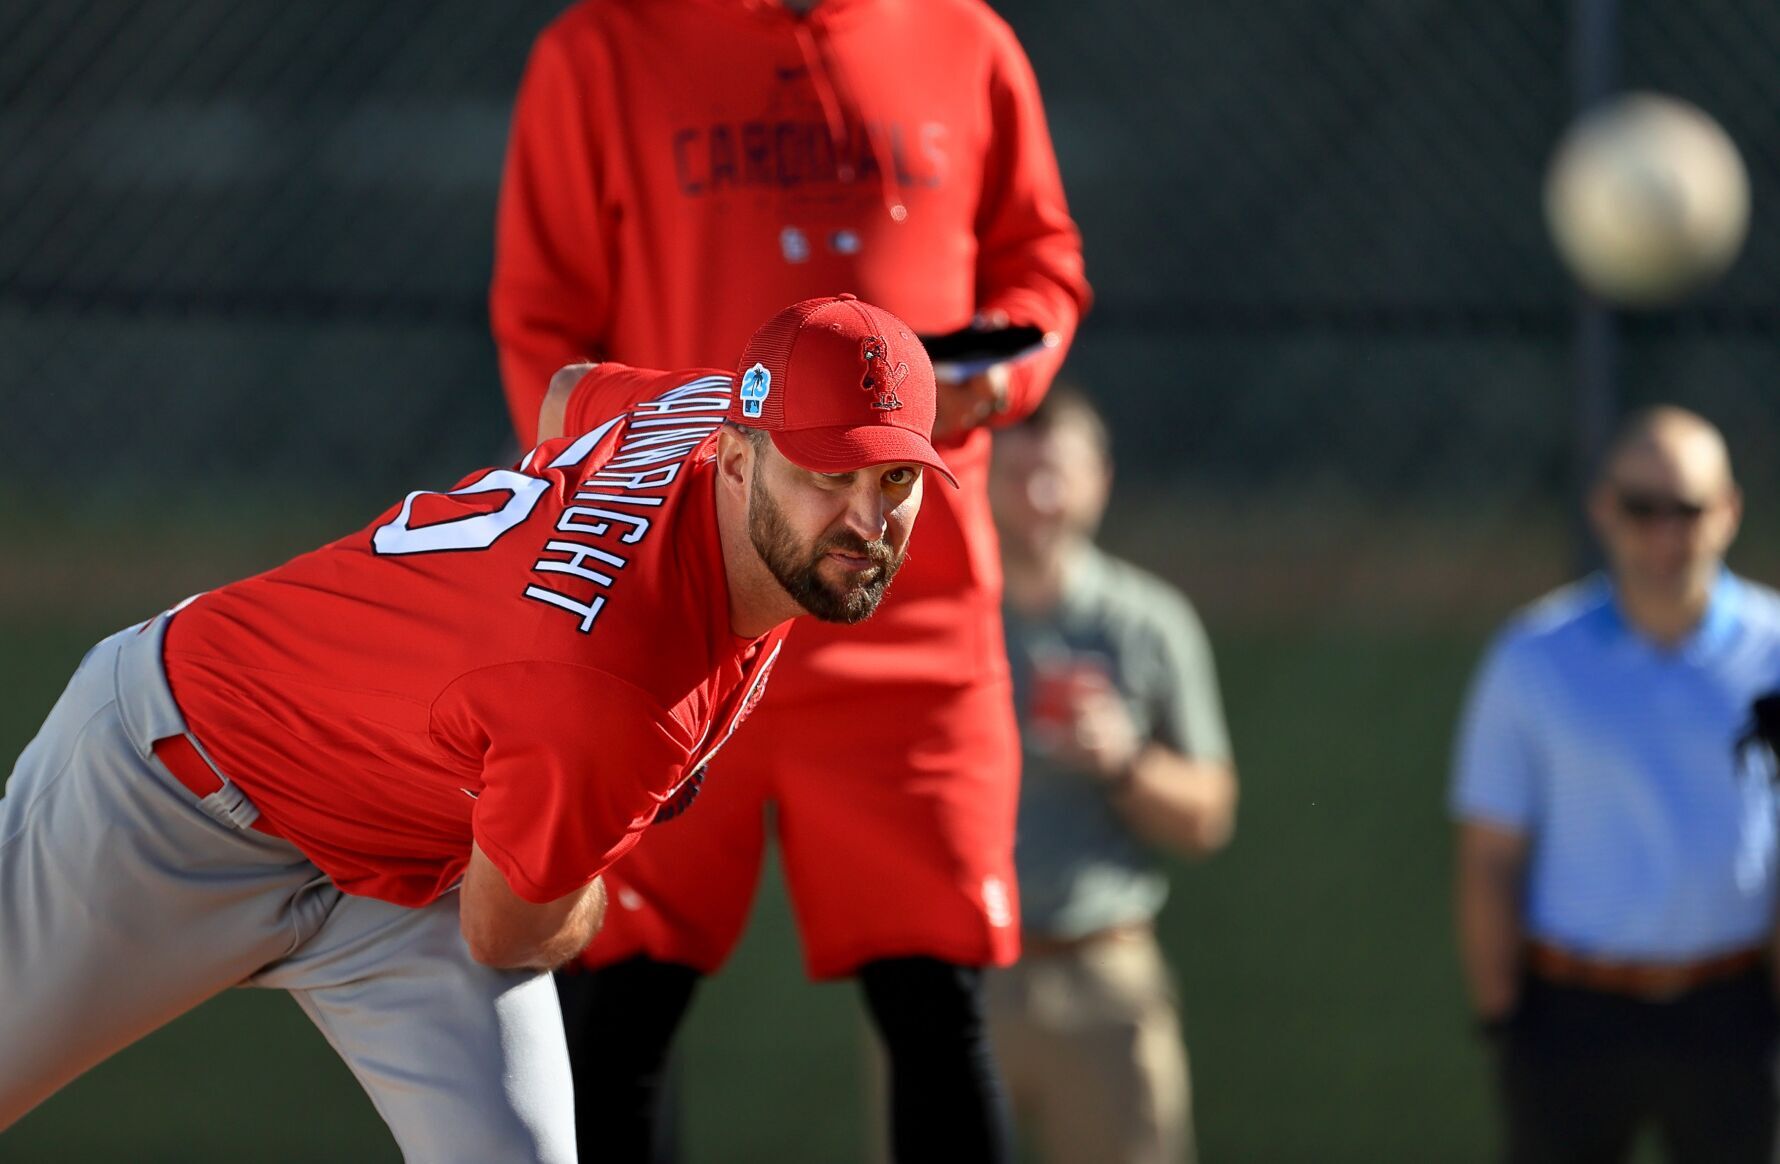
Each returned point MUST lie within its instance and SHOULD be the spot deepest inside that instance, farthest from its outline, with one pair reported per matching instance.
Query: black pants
(947, 1103)
(1582, 1073)
(620, 1023)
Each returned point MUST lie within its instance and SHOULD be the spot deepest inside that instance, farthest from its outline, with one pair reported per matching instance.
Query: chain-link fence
(247, 244)
(244, 248)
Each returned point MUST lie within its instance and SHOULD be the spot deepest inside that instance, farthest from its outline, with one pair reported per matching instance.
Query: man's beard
(798, 570)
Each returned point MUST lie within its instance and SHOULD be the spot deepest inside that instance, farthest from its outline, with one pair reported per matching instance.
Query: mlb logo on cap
(840, 384)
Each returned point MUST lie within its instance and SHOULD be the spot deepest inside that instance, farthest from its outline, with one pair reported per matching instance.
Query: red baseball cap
(840, 384)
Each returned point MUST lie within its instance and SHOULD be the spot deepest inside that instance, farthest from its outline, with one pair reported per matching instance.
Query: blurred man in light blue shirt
(1616, 848)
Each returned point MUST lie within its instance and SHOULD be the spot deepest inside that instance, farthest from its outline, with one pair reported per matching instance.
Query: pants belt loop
(232, 803)
(151, 715)
(229, 800)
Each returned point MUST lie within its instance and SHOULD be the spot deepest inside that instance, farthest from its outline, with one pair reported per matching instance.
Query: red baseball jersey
(539, 659)
(679, 169)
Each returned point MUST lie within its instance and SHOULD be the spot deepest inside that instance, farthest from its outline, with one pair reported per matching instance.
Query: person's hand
(1495, 1010)
(1100, 738)
(965, 406)
(1496, 1028)
(970, 404)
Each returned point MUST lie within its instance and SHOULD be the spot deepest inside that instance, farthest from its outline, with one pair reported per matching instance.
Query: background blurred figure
(1615, 858)
(896, 150)
(1125, 749)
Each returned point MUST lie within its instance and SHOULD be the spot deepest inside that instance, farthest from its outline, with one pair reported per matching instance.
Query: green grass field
(1315, 964)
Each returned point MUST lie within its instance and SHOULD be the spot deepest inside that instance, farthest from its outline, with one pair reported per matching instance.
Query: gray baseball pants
(125, 901)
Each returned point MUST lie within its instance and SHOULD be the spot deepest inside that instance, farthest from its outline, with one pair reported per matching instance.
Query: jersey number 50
(478, 531)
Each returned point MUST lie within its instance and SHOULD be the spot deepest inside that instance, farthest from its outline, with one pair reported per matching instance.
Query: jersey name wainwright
(609, 514)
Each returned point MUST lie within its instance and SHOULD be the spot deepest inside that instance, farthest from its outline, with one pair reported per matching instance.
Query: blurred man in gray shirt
(1125, 752)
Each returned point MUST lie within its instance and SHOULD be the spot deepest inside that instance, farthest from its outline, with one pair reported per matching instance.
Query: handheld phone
(959, 355)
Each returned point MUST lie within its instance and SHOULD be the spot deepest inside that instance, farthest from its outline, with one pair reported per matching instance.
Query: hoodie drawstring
(828, 93)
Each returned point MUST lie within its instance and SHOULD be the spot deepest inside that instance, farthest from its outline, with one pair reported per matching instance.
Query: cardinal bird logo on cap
(880, 378)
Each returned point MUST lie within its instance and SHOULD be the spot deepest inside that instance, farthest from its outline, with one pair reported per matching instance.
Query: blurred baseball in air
(1647, 199)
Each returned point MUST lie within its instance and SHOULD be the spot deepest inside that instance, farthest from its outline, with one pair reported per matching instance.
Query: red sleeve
(1029, 252)
(575, 764)
(550, 297)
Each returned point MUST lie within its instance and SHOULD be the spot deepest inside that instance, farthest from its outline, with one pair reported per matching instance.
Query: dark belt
(200, 779)
(1648, 981)
(1036, 945)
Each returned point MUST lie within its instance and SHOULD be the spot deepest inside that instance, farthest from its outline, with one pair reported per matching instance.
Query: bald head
(1665, 506)
(1670, 446)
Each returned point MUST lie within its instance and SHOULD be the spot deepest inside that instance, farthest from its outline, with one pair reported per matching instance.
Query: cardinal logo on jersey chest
(681, 796)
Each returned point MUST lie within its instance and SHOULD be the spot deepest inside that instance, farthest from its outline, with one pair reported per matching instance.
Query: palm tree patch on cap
(756, 383)
(880, 378)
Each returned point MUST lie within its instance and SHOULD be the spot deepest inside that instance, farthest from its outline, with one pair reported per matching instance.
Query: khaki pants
(1089, 1042)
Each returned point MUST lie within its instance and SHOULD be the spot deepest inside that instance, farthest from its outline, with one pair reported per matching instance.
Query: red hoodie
(681, 169)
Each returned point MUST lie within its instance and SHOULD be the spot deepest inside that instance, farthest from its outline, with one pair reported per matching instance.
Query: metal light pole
(1594, 66)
